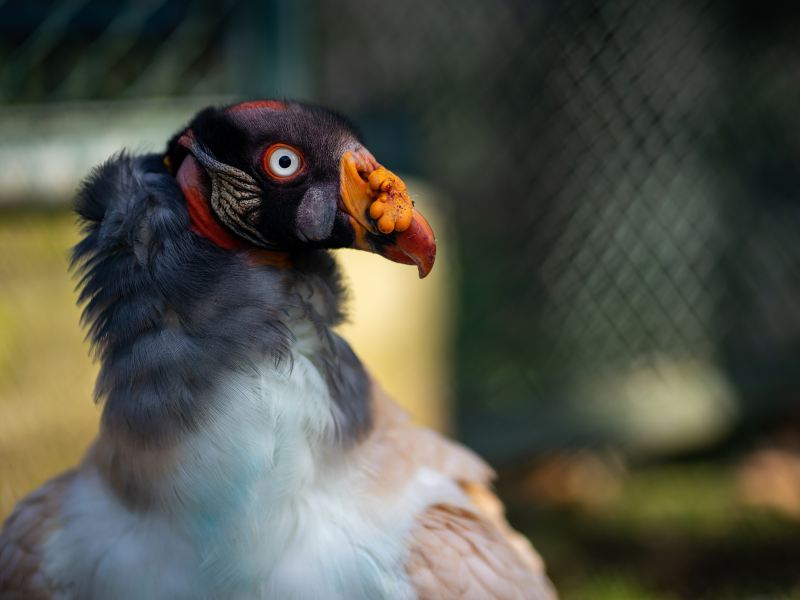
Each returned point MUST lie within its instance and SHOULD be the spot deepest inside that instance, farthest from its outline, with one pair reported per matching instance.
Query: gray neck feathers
(169, 313)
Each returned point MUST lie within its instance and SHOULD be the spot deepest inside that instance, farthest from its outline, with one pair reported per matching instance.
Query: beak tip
(425, 263)
(415, 245)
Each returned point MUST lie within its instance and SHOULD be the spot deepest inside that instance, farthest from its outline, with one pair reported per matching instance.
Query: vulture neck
(274, 429)
(222, 379)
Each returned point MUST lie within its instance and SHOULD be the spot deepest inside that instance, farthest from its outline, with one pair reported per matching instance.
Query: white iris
(284, 162)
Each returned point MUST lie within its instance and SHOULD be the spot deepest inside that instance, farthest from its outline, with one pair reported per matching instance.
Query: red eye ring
(282, 162)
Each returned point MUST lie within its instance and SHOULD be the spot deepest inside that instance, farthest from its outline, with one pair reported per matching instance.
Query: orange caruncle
(392, 208)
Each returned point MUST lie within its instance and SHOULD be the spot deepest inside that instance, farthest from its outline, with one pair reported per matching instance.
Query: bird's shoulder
(457, 550)
(398, 448)
(23, 536)
(460, 553)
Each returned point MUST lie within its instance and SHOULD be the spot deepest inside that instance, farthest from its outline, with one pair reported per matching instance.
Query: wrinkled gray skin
(169, 313)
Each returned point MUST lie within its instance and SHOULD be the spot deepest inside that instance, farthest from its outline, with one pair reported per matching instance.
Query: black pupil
(285, 162)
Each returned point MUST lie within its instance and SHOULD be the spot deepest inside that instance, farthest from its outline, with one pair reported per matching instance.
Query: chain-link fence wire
(93, 50)
(622, 176)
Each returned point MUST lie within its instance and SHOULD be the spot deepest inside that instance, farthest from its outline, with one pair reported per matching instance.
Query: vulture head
(284, 177)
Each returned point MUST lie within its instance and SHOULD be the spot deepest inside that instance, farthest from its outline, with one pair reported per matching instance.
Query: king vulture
(244, 451)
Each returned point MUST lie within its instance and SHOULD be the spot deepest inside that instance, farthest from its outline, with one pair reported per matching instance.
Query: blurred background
(614, 321)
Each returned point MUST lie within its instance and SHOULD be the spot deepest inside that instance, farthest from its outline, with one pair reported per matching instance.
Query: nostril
(365, 163)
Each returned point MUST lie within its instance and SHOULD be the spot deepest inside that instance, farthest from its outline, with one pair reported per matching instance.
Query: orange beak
(382, 214)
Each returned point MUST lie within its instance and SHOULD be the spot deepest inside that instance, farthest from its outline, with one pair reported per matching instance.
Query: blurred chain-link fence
(622, 178)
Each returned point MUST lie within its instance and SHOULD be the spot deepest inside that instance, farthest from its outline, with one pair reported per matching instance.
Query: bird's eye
(282, 162)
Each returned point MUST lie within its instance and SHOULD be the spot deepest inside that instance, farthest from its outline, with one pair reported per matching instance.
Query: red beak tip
(425, 263)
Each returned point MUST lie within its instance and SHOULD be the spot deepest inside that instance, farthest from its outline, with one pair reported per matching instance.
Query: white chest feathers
(263, 505)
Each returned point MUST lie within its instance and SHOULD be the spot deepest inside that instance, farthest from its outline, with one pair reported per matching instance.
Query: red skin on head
(190, 178)
(256, 104)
